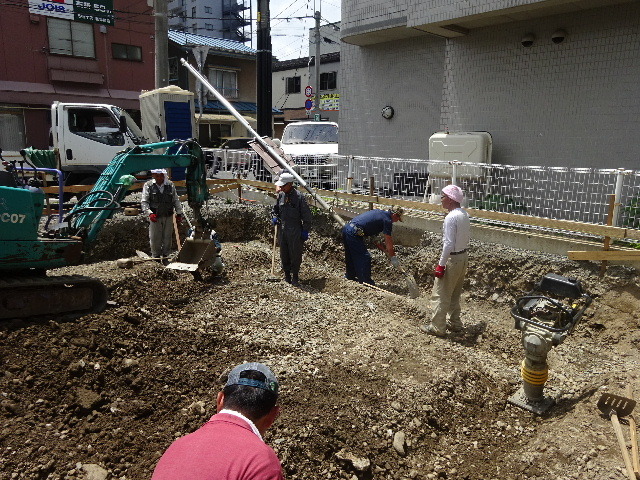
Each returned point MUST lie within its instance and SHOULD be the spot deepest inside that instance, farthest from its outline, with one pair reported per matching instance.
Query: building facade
(554, 83)
(230, 67)
(44, 58)
(292, 77)
(229, 19)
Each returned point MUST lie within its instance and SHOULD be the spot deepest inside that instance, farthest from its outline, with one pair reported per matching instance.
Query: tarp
(41, 158)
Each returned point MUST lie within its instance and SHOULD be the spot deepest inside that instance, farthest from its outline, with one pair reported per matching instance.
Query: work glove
(439, 271)
(304, 235)
(274, 221)
(179, 219)
(380, 247)
(153, 217)
(395, 262)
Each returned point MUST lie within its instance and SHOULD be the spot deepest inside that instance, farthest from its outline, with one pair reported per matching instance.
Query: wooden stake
(607, 240)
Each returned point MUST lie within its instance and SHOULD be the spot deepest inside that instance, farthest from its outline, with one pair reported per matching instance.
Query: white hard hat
(284, 179)
(159, 170)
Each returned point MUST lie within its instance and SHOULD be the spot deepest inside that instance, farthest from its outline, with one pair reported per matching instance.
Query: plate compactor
(545, 316)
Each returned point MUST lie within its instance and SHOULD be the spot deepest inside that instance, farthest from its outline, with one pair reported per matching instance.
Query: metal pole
(316, 106)
(264, 69)
(162, 43)
(275, 155)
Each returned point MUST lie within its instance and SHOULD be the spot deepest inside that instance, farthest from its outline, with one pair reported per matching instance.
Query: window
(328, 81)
(95, 124)
(126, 52)
(207, 9)
(225, 81)
(12, 131)
(174, 65)
(208, 26)
(193, 12)
(293, 85)
(70, 38)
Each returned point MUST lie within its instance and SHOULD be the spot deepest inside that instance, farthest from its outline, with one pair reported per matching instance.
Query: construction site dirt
(364, 393)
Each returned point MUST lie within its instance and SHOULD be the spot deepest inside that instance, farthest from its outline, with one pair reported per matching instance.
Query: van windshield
(310, 133)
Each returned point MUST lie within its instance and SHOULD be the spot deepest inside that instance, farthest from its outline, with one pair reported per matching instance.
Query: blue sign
(308, 104)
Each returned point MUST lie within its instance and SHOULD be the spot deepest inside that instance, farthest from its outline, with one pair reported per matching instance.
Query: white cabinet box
(465, 147)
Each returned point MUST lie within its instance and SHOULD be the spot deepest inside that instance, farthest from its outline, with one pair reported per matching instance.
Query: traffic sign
(316, 117)
(308, 104)
(308, 91)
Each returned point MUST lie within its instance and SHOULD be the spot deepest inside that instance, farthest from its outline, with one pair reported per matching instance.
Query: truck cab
(88, 137)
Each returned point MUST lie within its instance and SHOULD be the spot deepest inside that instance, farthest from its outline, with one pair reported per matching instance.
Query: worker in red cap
(452, 266)
(159, 202)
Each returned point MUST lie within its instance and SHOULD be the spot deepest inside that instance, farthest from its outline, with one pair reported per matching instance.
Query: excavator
(27, 252)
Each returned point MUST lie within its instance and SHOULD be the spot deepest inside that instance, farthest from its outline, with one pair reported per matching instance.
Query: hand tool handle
(634, 446)
(623, 445)
(273, 252)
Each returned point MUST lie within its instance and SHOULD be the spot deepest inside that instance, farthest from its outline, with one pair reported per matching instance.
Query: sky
(290, 38)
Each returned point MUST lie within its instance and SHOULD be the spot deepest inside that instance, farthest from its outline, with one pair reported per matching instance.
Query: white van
(311, 144)
(310, 138)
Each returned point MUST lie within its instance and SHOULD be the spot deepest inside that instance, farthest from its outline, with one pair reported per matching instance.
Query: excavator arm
(88, 216)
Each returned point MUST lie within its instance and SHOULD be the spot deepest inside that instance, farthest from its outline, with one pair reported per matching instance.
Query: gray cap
(270, 383)
(284, 179)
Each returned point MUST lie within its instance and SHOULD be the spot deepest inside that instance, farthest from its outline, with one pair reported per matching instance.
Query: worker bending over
(293, 215)
(356, 256)
(159, 202)
(452, 266)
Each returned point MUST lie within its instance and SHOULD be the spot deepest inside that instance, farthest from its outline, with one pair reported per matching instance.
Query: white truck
(311, 145)
(88, 136)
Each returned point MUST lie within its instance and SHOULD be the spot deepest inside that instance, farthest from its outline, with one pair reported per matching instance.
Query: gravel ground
(364, 393)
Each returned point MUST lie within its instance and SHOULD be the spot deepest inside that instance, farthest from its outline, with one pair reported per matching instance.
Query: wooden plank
(599, 255)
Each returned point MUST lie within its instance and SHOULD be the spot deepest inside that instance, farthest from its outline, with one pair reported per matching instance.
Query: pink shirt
(224, 448)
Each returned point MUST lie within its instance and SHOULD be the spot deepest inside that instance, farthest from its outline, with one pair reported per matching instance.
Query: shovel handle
(634, 437)
(623, 445)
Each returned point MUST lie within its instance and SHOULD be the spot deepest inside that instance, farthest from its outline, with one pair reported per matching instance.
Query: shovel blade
(623, 406)
(194, 254)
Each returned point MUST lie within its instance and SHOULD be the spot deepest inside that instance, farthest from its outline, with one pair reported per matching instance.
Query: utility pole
(162, 43)
(316, 106)
(264, 69)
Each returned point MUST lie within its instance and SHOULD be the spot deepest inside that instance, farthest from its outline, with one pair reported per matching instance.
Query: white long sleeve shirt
(455, 233)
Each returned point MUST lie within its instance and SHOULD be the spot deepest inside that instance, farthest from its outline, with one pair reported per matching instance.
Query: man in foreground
(230, 446)
(159, 202)
(356, 256)
(452, 266)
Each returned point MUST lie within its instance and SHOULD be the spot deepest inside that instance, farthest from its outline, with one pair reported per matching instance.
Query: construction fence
(560, 193)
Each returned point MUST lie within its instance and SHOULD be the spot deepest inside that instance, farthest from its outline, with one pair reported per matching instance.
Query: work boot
(295, 281)
(455, 326)
(287, 277)
(431, 330)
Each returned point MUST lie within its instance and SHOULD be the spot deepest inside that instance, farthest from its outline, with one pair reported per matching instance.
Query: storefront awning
(218, 118)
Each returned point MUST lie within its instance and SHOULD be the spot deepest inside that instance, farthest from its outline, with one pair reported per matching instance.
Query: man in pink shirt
(230, 446)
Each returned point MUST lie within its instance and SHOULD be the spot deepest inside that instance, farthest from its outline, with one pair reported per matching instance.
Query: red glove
(380, 247)
(179, 219)
(153, 217)
(439, 271)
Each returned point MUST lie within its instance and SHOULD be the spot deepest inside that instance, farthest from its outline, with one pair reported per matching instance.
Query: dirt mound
(364, 393)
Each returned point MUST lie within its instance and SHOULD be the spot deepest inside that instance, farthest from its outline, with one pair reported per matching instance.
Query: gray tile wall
(576, 103)
(408, 76)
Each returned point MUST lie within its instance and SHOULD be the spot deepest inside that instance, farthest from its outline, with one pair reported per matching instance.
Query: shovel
(614, 406)
(412, 286)
(130, 262)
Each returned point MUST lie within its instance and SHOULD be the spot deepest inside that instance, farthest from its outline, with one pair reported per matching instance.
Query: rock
(351, 460)
(87, 399)
(399, 443)
(94, 472)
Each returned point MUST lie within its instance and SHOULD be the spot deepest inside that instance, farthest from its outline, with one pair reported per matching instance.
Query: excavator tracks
(38, 296)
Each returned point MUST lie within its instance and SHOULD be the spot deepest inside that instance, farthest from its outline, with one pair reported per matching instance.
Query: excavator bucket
(196, 255)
